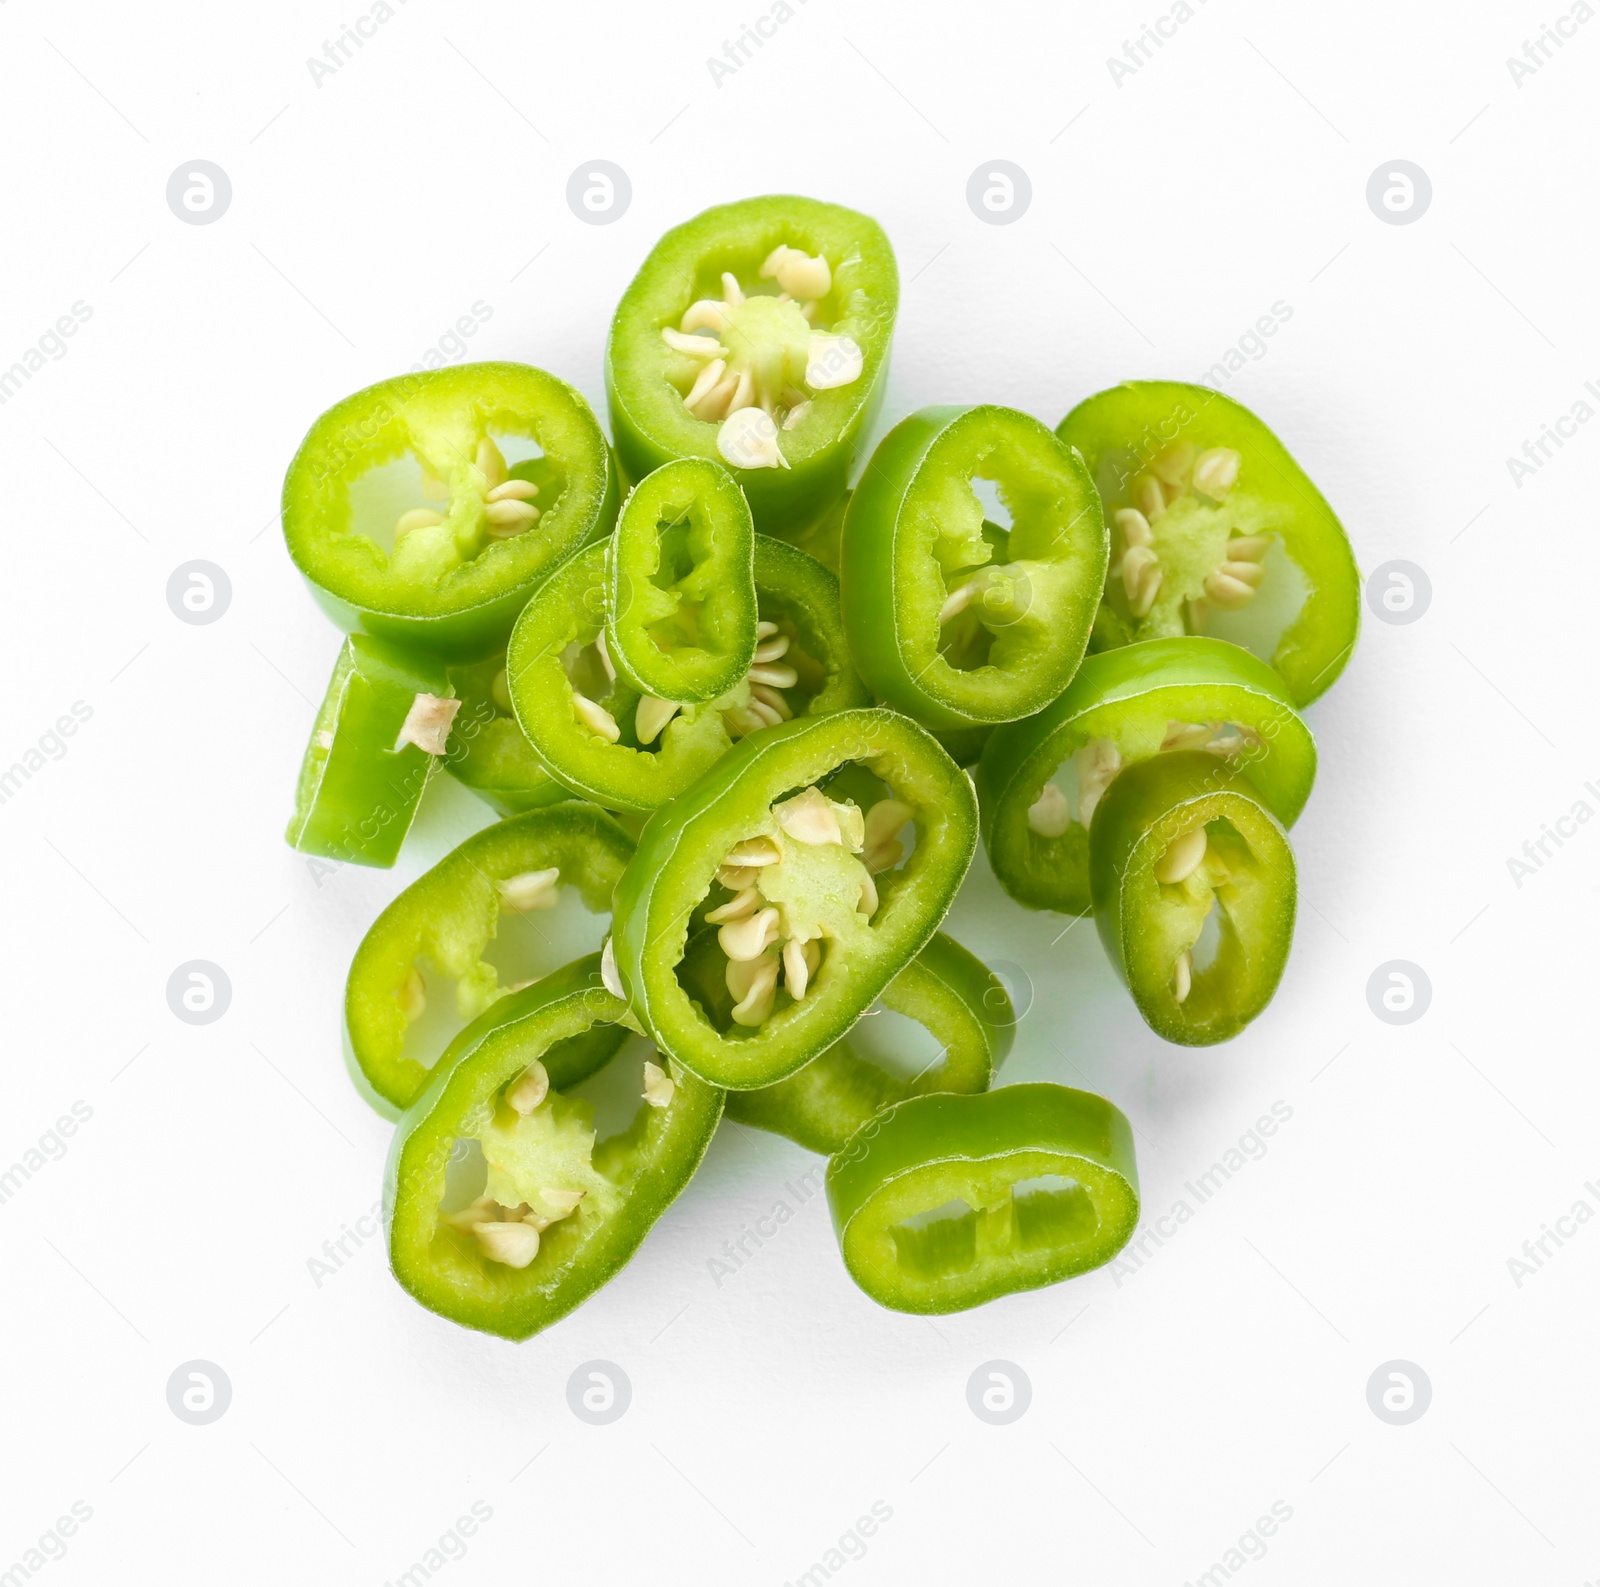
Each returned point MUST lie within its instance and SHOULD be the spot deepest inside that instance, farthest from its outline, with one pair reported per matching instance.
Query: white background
(1169, 1410)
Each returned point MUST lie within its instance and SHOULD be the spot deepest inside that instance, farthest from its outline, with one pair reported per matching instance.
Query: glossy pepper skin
(628, 1180)
(1070, 1153)
(960, 1001)
(359, 786)
(792, 590)
(454, 587)
(1246, 876)
(488, 752)
(681, 613)
(1305, 614)
(440, 927)
(1133, 699)
(682, 847)
(915, 545)
(646, 380)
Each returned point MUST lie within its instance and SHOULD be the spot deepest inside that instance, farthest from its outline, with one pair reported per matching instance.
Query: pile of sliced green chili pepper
(721, 704)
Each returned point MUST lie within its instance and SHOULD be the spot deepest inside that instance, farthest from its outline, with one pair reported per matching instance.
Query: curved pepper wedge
(381, 727)
(627, 751)
(945, 1202)
(964, 1007)
(1040, 780)
(757, 334)
(488, 752)
(1217, 531)
(504, 1207)
(681, 619)
(426, 508)
(440, 929)
(953, 619)
(1193, 883)
(818, 904)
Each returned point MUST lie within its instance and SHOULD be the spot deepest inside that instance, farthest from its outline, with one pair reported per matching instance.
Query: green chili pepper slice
(540, 1211)
(488, 752)
(628, 751)
(962, 1004)
(1040, 780)
(492, 888)
(817, 903)
(681, 623)
(757, 334)
(954, 620)
(945, 1202)
(1193, 882)
(1217, 531)
(426, 508)
(381, 726)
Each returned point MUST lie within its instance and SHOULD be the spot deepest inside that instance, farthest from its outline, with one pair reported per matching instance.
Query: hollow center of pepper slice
(750, 362)
(1036, 1214)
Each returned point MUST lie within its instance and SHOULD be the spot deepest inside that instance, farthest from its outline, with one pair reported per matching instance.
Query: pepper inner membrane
(1041, 1213)
(544, 1166)
(757, 343)
(429, 515)
(798, 889)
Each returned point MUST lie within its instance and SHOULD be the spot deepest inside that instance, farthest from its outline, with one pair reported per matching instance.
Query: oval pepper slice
(960, 1001)
(945, 1202)
(757, 334)
(608, 743)
(1040, 780)
(681, 624)
(426, 508)
(952, 619)
(1217, 530)
(381, 726)
(818, 904)
(1193, 882)
(488, 752)
(557, 1211)
(439, 929)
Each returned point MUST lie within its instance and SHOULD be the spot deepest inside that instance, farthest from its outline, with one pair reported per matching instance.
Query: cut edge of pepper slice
(576, 1254)
(449, 916)
(1220, 686)
(1181, 847)
(897, 1188)
(456, 576)
(686, 843)
(681, 616)
(952, 619)
(1181, 444)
